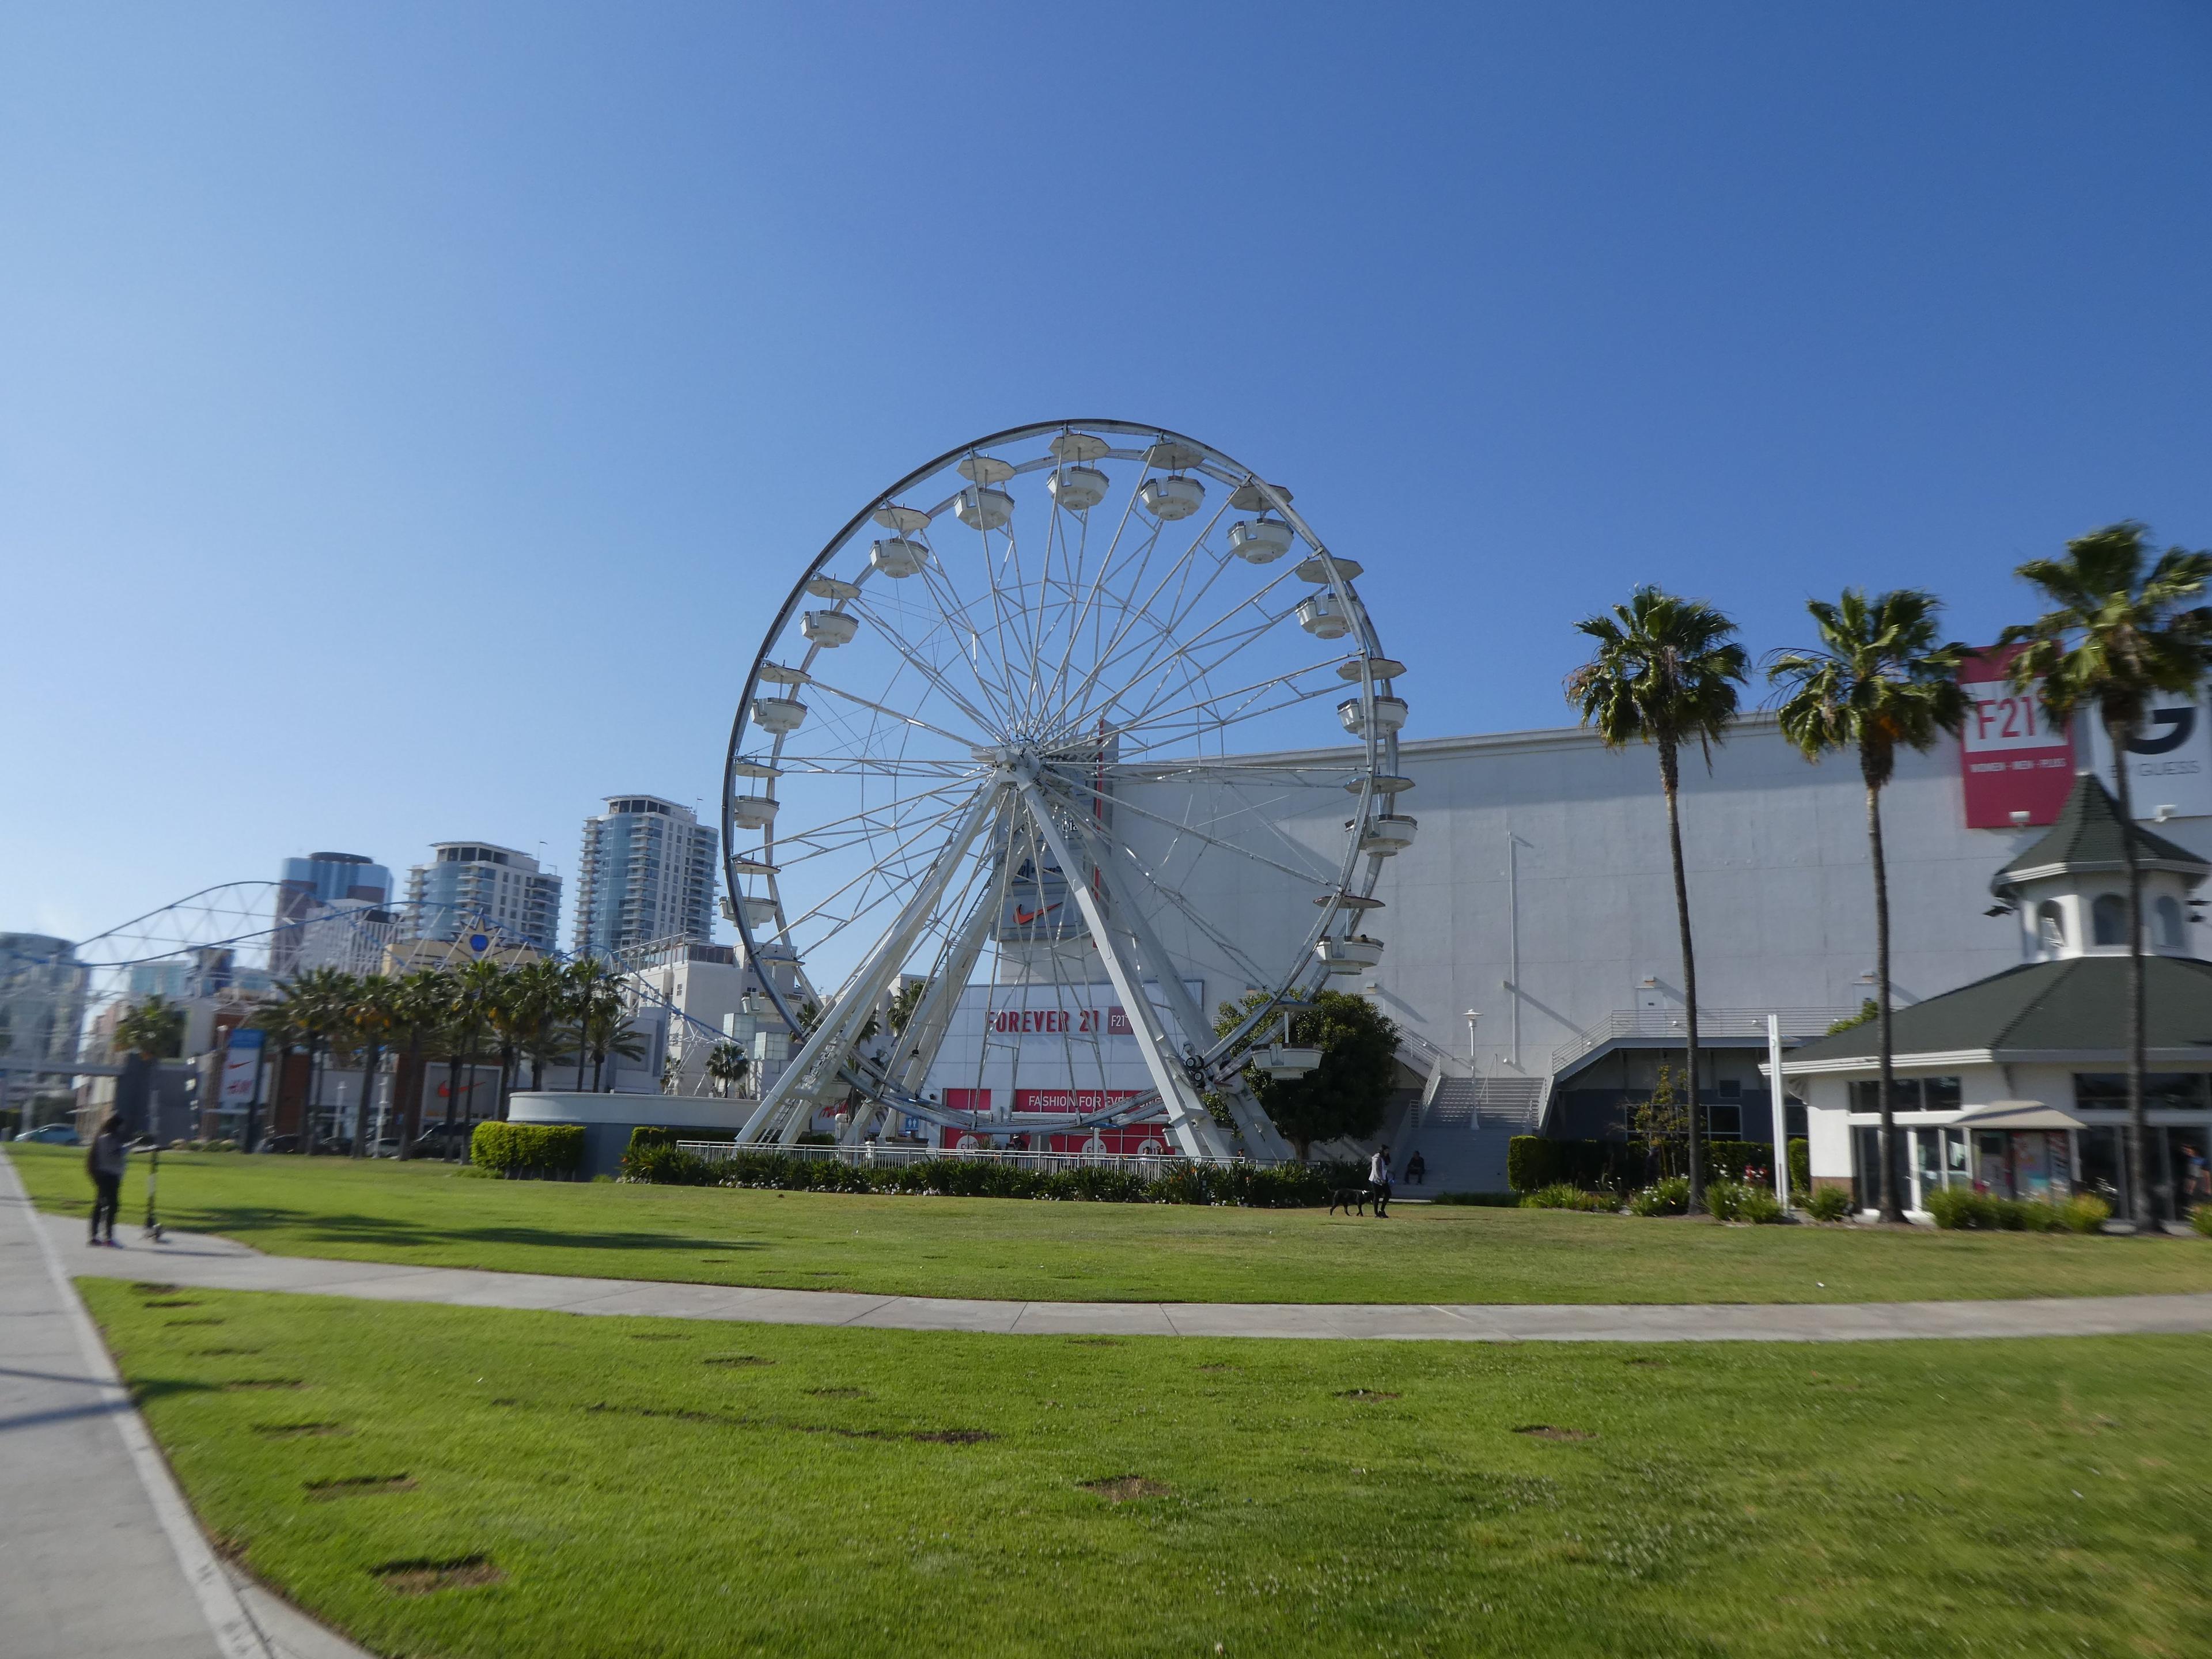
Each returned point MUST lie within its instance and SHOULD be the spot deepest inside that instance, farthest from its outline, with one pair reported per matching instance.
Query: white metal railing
(875, 1156)
(1437, 1060)
(1670, 1024)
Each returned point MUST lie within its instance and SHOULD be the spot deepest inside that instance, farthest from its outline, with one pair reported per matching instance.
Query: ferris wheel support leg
(1188, 1120)
(810, 1069)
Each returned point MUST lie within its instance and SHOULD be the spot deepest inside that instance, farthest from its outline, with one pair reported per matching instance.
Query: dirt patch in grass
(1654, 1364)
(1094, 1341)
(172, 1323)
(218, 1354)
(1367, 1394)
(173, 1302)
(730, 1420)
(1548, 1432)
(660, 1336)
(422, 1578)
(243, 1383)
(951, 1436)
(1220, 1368)
(1125, 1488)
(839, 1393)
(359, 1486)
(298, 1430)
(146, 1287)
(736, 1360)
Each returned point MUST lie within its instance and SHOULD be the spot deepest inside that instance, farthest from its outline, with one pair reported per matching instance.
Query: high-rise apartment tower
(314, 882)
(647, 873)
(468, 882)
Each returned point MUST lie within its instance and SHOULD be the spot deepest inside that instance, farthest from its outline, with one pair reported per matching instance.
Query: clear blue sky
(407, 410)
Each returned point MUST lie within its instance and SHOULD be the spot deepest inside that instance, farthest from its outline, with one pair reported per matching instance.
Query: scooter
(153, 1229)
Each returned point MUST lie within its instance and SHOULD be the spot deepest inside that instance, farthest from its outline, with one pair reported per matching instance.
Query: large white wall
(1781, 892)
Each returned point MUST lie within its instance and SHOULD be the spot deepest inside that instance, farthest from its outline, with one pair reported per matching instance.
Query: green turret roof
(2086, 840)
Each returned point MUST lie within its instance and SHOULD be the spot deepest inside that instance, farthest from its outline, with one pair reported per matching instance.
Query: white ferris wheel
(1066, 732)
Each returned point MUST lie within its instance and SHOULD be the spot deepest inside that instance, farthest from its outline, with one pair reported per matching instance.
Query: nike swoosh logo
(1024, 918)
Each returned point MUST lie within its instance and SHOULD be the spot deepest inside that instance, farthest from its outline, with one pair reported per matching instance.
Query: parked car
(51, 1134)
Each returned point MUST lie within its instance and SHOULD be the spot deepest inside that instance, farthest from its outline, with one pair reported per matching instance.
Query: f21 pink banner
(2012, 760)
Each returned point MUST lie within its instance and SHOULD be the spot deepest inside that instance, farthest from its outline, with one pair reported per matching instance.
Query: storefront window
(2101, 1165)
(1993, 1162)
(1912, 1094)
(2173, 1090)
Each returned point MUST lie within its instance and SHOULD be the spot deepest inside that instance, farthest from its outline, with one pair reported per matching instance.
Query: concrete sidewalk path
(99, 1556)
(222, 1264)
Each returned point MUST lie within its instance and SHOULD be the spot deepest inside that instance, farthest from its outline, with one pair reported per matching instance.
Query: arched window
(2168, 913)
(2050, 924)
(2108, 920)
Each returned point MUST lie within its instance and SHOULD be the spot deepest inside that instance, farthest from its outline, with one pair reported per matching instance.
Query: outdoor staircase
(1462, 1131)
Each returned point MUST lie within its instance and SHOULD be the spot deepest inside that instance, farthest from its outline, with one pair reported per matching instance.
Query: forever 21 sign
(2010, 757)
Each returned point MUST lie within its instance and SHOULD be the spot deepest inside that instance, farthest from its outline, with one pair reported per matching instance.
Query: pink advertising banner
(2012, 759)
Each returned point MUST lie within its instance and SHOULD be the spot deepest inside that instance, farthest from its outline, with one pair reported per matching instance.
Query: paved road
(100, 1557)
(222, 1264)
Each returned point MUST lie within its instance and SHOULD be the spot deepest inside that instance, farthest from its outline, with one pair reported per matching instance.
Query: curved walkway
(222, 1264)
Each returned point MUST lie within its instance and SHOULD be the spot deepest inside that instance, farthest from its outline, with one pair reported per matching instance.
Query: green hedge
(1959, 1207)
(654, 1158)
(527, 1150)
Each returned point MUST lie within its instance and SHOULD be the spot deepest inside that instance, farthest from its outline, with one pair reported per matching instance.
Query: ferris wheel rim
(1349, 886)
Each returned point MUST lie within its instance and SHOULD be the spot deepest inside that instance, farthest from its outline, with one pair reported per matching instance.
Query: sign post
(1780, 1096)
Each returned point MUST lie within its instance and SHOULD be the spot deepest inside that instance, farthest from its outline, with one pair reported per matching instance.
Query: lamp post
(1472, 1015)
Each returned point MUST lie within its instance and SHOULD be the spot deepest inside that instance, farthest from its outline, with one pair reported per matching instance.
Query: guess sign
(2011, 758)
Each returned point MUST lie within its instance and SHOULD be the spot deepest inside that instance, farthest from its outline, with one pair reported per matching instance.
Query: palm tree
(726, 1067)
(279, 1023)
(477, 985)
(536, 992)
(373, 1016)
(1665, 672)
(421, 1001)
(2115, 635)
(320, 999)
(1879, 681)
(589, 980)
(153, 1030)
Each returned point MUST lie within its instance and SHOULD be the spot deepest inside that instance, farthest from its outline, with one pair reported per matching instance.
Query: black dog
(1350, 1198)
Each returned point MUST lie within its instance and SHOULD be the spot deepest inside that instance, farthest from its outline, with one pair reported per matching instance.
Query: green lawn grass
(433, 1214)
(655, 1488)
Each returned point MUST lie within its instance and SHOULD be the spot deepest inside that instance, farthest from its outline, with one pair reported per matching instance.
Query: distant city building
(647, 874)
(468, 883)
(321, 878)
(42, 998)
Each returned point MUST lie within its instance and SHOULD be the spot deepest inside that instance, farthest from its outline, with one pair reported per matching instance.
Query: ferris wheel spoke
(881, 868)
(899, 717)
(898, 642)
(864, 831)
(959, 616)
(1258, 630)
(1323, 880)
(1147, 719)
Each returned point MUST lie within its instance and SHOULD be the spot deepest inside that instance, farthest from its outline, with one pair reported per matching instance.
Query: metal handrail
(872, 1155)
(1623, 1024)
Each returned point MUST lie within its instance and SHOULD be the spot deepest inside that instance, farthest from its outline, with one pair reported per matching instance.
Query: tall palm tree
(373, 1016)
(2116, 634)
(279, 1023)
(421, 1001)
(478, 985)
(589, 981)
(727, 1066)
(1879, 681)
(536, 994)
(1665, 672)
(153, 1030)
(320, 999)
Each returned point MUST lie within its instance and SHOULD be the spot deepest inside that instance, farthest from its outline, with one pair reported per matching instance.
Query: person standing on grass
(1378, 1181)
(103, 1160)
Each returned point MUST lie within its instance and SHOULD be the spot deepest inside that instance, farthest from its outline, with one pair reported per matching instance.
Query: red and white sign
(2011, 757)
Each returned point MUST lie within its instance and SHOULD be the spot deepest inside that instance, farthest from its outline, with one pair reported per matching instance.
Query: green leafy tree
(1660, 1121)
(1665, 672)
(1879, 681)
(1345, 1094)
(2122, 627)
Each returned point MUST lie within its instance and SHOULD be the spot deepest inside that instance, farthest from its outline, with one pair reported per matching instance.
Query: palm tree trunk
(2137, 1208)
(360, 1112)
(1670, 779)
(307, 1111)
(1890, 1198)
(505, 1071)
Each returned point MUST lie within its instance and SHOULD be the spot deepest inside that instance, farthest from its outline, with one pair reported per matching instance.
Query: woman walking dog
(104, 1161)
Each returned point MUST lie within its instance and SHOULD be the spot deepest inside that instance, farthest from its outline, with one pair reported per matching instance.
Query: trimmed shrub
(1759, 1206)
(527, 1151)
(1955, 1207)
(1800, 1164)
(1828, 1204)
(2084, 1212)
(1667, 1197)
(667, 1166)
(1564, 1195)
(1532, 1164)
